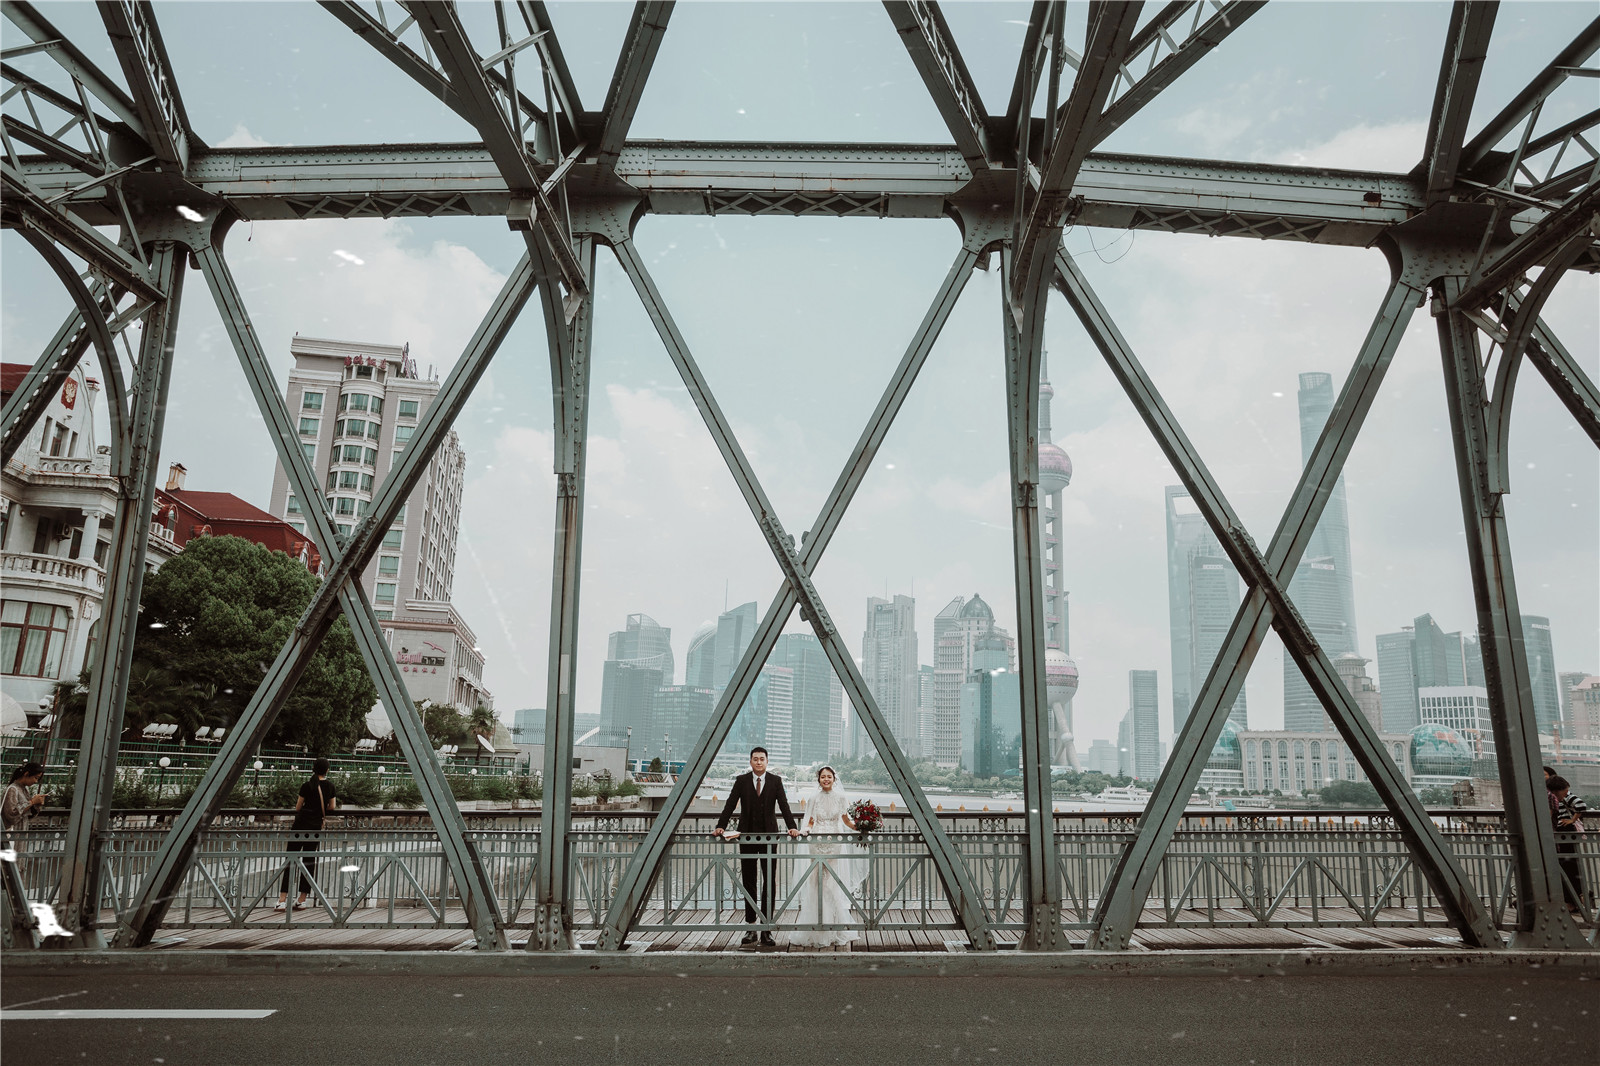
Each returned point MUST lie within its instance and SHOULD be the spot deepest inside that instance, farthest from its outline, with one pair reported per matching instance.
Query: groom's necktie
(758, 786)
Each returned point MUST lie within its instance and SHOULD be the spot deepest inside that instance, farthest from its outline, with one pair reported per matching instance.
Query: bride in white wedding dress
(823, 899)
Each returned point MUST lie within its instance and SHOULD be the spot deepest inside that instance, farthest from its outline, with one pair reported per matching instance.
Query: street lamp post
(627, 753)
(161, 779)
(257, 787)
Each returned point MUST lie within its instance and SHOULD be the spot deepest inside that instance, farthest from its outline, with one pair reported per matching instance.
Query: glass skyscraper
(1323, 586)
(1203, 593)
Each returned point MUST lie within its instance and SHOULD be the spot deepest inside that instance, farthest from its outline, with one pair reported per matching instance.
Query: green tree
(443, 723)
(1350, 793)
(482, 722)
(213, 618)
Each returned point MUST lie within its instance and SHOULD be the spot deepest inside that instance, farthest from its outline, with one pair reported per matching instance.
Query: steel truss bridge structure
(1480, 231)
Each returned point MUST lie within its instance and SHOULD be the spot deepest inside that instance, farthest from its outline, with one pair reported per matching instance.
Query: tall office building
(638, 661)
(889, 666)
(1060, 670)
(358, 406)
(1542, 670)
(816, 698)
(677, 716)
(925, 716)
(754, 723)
(1203, 593)
(1397, 681)
(735, 629)
(1101, 758)
(1323, 586)
(1144, 715)
(1568, 683)
(1352, 670)
(1423, 655)
(955, 629)
(700, 661)
(1125, 752)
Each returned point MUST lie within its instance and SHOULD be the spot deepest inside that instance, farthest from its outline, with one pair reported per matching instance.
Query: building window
(374, 429)
(402, 434)
(391, 539)
(400, 516)
(344, 404)
(370, 457)
(363, 371)
(385, 592)
(32, 638)
(293, 506)
(344, 505)
(310, 451)
(355, 427)
(385, 615)
(333, 479)
(344, 529)
(58, 443)
(408, 409)
(348, 479)
(366, 482)
(311, 401)
(388, 565)
(352, 453)
(358, 401)
(377, 405)
(298, 527)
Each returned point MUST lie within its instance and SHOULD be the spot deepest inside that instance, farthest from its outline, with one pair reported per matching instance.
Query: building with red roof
(188, 513)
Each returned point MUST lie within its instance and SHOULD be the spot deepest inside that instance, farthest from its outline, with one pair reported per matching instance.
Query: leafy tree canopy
(214, 618)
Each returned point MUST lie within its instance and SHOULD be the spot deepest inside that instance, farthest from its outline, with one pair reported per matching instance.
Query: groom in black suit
(758, 795)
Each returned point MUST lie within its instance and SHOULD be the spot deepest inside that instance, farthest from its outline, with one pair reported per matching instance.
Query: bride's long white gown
(822, 899)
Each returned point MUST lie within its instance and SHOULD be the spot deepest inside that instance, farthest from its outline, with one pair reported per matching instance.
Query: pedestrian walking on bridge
(317, 797)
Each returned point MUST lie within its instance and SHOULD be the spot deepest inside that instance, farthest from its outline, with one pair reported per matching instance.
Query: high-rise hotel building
(358, 406)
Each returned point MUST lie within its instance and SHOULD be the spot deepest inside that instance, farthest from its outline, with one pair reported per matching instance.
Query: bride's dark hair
(830, 770)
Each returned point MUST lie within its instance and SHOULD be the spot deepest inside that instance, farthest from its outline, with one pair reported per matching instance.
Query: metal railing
(388, 871)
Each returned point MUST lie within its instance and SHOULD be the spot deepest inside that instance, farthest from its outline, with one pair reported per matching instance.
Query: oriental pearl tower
(1061, 673)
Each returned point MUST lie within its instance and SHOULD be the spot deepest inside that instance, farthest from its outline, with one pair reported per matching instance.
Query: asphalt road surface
(1460, 1018)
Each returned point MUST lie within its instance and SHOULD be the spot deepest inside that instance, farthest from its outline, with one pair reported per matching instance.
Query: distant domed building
(1439, 752)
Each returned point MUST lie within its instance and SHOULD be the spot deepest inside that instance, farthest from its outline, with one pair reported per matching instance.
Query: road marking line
(141, 1014)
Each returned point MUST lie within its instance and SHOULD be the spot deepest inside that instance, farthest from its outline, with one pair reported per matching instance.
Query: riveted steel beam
(78, 893)
(1026, 82)
(1580, 214)
(136, 39)
(1024, 354)
(1575, 389)
(1531, 98)
(537, 18)
(548, 241)
(23, 206)
(1465, 48)
(1268, 604)
(1542, 918)
(36, 27)
(1111, 24)
(639, 47)
(43, 381)
(634, 886)
(1167, 57)
(932, 47)
(339, 589)
(570, 388)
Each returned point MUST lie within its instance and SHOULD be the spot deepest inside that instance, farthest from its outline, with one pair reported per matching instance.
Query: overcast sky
(797, 324)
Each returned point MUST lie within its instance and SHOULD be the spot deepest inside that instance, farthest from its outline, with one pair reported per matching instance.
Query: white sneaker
(281, 906)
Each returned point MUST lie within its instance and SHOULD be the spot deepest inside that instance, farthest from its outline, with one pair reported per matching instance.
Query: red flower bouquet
(866, 816)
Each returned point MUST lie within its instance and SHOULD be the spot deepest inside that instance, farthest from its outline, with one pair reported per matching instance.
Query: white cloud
(241, 137)
(1395, 147)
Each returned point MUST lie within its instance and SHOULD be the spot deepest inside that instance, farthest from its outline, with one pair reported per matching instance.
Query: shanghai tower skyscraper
(1323, 587)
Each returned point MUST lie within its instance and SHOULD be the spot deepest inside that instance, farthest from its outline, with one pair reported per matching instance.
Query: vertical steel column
(1542, 918)
(569, 374)
(79, 894)
(1024, 350)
